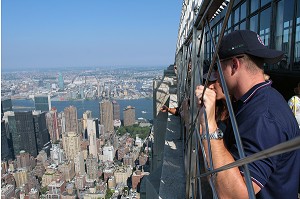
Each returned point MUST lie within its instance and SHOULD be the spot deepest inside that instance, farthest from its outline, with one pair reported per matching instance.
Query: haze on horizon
(76, 33)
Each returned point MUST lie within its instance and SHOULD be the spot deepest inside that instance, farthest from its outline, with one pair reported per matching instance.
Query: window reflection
(297, 41)
(254, 23)
(253, 5)
(264, 2)
(265, 20)
(283, 33)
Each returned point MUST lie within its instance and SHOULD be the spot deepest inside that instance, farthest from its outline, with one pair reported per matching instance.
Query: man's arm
(173, 111)
(229, 183)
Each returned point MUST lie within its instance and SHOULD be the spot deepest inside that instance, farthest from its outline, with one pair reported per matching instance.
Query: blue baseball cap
(247, 42)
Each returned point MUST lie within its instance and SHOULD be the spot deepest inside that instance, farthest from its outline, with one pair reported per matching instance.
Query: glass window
(264, 2)
(243, 11)
(243, 26)
(283, 33)
(264, 29)
(229, 22)
(254, 23)
(237, 15)
(297, 41)
(253, 5)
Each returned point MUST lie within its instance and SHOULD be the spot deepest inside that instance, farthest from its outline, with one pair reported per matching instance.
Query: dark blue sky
(77, 33)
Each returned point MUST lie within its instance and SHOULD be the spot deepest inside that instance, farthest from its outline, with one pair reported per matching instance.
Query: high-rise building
(23, 160)
(129, 116)
(6, 105)
(92, 131)
(21, 128)
(42, 102)
(68, 170)
(86, 115)
(71, 144)
(116, 110)
(41, 131)
(92, 168)
(79, 164)
(52, 124)
(61, 82)
(71, 123)
(56, 154)
(5, 152)
(122, 174)
(106, 116)
(21, 177)
(108, 153)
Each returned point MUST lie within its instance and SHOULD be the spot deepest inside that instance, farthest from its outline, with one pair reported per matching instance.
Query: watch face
(220, 134)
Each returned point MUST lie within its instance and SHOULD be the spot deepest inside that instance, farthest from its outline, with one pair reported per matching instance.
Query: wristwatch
(216, 135)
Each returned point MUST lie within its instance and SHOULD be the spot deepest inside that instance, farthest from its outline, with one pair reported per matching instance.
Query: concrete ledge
(172, 183)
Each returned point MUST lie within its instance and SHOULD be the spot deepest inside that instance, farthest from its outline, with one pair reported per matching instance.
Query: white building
(56, 154)
(108, 153)
(91, 131)
(79, 164)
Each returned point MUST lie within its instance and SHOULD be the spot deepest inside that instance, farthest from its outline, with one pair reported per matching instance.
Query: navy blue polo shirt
(264, 120)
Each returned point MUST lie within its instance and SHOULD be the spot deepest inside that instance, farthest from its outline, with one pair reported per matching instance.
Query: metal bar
(285, 147)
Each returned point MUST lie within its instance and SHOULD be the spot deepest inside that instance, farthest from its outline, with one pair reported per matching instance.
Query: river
(143, 106)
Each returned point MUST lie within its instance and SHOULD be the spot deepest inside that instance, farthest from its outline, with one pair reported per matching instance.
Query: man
(263, 118)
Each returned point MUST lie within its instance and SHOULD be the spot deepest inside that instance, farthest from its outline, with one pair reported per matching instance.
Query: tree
(108, 194)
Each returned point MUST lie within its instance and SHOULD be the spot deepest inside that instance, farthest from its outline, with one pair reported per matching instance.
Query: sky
(88, 33)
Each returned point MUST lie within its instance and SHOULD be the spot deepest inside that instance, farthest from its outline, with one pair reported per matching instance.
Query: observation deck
(177, 168)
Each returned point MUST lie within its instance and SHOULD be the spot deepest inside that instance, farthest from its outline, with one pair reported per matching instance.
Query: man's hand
(208, 102)
(164, 108)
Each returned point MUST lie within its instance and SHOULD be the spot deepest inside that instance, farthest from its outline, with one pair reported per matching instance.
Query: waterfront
(143, 106)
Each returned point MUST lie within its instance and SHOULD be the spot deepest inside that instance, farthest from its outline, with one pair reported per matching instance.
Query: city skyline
(38, 34)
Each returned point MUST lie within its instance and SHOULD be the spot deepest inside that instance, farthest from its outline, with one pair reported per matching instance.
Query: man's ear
(235, 65)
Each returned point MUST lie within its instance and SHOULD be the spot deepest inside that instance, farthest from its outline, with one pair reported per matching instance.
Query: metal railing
(195, 20)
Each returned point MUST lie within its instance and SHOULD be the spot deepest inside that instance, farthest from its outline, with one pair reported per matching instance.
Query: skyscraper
(41, 131)
(22, 132)
(5, 153)
(79, 164)
(71, 123)
(71, 144)
(42, 102)
(56, 154)
(116, 110)
(52, 124)
(92, 130)
(129, 116)
(61, 82)
(86, 115)
(106, 116)
(92, 168)
(6, 105)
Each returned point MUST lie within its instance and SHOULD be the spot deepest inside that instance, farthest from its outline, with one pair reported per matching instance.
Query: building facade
(71, 144)
(129, 116)
(71, 122)
(52, 124)
(92, 131)
(42, 103)
(106, 116)
(116, 110)
(41, 130)
(21, 128)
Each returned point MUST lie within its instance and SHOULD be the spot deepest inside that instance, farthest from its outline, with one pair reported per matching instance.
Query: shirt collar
(247, 96)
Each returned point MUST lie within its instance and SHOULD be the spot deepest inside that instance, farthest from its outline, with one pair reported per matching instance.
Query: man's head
(242, 55)
(247, 42)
